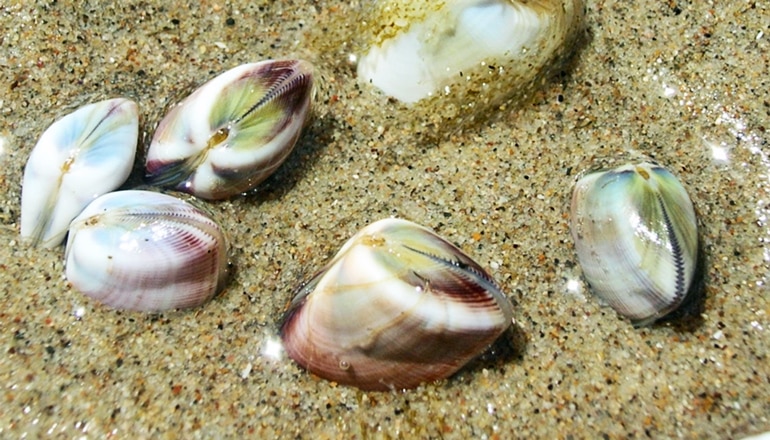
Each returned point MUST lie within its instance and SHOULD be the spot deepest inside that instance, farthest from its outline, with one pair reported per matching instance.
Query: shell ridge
(462, 269)
(472, 287)
(283, 97)
(676, 250)
(181, 251)
(113, 109)
(42, 226)
(278, 88)
(169, 212)
(648, 295)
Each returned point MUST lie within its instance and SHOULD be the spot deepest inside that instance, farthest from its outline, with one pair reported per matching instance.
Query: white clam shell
(448, 39)
(234, 131)
(396, 307)
(636, 238)
(145, 251)
(81, 156)
(455, 63)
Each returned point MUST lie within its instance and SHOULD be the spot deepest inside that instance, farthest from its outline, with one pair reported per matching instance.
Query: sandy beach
(682, 83)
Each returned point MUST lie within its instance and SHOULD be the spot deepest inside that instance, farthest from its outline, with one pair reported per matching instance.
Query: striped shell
(396, 307)
(636, 238)
(234, 131)
(140, 250)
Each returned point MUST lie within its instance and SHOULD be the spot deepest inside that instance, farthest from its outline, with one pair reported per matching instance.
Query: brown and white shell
(396, 307)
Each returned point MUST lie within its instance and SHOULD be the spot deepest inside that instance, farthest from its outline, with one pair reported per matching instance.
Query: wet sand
(685, 84)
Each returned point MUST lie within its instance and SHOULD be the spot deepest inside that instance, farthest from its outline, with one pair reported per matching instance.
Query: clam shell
(140, 250)
(461, 59)
(397, 306)
(81, 156)
(636, 239)
(234, 131)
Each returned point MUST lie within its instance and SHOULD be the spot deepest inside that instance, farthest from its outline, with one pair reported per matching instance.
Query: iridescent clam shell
(81, 156)
(396, 307)
(145, 251)
(234, 131)
(636, 239)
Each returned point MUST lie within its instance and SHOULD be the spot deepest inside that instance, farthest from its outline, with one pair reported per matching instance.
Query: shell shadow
(311, 144)
(509, 348)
